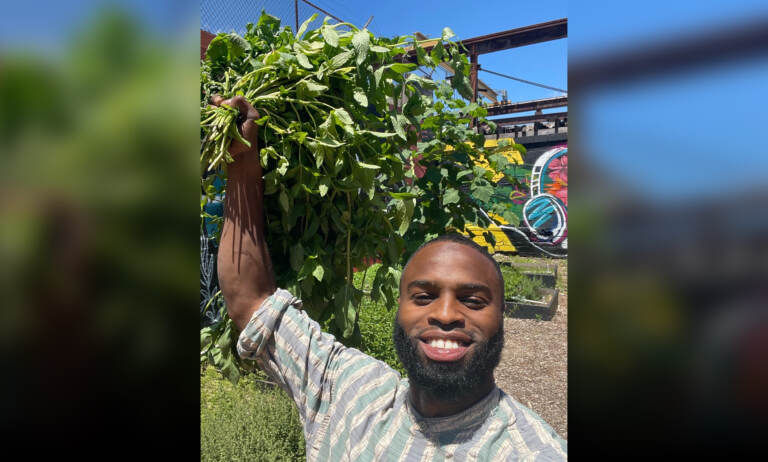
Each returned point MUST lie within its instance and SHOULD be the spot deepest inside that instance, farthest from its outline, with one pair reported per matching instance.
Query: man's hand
(248, 128)
(244, 266)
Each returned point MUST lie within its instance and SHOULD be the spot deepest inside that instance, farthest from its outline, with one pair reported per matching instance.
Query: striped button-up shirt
(356, 408)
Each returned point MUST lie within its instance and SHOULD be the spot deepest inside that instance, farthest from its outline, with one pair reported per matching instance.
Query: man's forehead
(448, 258)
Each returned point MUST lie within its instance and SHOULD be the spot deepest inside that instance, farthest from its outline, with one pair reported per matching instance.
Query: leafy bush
(518, 286)
(375, 321)
(243, 422)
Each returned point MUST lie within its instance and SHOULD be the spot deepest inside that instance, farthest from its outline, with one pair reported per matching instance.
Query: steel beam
(666, 56)
(530, 118)
(525, 106)
(513, 38)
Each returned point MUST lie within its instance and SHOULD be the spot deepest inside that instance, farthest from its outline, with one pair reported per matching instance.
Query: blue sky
(674, 137)
(642, 132)
(544, 63)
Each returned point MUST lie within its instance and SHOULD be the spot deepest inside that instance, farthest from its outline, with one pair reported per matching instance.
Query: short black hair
(463, 240)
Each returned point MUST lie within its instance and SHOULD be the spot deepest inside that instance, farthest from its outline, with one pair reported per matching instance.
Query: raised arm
(244, 267)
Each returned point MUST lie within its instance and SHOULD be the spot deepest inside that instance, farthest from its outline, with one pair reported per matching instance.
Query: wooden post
(473, 76)
(473, 81)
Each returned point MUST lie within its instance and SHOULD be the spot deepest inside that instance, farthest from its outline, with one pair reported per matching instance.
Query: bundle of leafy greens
(344, 123)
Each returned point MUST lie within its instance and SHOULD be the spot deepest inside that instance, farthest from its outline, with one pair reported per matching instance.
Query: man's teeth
(445, 344)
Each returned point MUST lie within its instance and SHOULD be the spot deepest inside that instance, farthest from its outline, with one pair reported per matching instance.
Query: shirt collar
(474, 416)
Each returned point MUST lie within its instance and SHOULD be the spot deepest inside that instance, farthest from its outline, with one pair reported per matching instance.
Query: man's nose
(446, 313)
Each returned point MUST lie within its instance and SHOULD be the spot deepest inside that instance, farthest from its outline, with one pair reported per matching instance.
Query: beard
(448, 379)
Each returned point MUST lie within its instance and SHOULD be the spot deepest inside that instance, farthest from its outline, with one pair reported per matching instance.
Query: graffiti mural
(539, 197)
(545, 213)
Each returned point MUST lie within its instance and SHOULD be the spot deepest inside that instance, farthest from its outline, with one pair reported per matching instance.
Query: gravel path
(534, 362)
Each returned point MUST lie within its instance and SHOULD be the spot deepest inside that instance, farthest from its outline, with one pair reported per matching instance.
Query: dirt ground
(534, 362)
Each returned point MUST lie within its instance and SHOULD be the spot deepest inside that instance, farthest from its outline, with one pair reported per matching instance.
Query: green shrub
(517, 285)
(376, 323)
(245, 423)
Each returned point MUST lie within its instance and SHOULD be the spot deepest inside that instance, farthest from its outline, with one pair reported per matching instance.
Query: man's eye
(473, 302)
(423, 299)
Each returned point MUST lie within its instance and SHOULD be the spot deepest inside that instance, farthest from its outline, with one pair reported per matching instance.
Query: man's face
(448, 329)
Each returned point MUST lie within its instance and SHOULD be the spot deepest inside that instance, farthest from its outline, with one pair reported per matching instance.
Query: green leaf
(402, 68)
(378, 134)
(447, 33)
(303, 60)
(461, 83)
(360, 41)
(282, 166)
(451, 196)
(217, 49)
(343, 116)
(379, 49)
(368, 166)
(304, 25)
(330, 36)
(296, 256)
(283, 199)
(318, 272)
(323, 189)
(425, 83)
(360, 98)
(399, 123)
(227, 46)
(483, 193)
(402, 195)
(438, 53)
(404, 212)
(378, 73)
(463, 173)
(345, 309)
(330, 142)
(308, 88)
(341, 59)
(237, 45)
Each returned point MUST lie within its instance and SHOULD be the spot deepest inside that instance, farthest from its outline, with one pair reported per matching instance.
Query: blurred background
(668, 264)
(99, 242)
(99, 220)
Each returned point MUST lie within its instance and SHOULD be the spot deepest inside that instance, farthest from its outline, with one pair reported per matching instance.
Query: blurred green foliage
(98, 200)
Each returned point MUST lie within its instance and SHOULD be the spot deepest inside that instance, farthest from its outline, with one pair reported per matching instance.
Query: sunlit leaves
(451, 196)
(360, 97)
(304, 26)
(330, 36)
(361, 42)
(341, 58)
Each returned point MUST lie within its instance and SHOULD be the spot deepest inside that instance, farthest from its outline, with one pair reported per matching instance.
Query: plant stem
(349, 239)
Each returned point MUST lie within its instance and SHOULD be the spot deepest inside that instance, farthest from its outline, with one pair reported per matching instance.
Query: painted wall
(540, 200)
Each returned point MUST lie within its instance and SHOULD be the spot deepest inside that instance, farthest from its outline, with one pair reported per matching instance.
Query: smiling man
(449, 330)
(448, 335)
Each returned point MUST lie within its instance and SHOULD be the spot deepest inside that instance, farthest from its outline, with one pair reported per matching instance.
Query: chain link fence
(233, 15)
